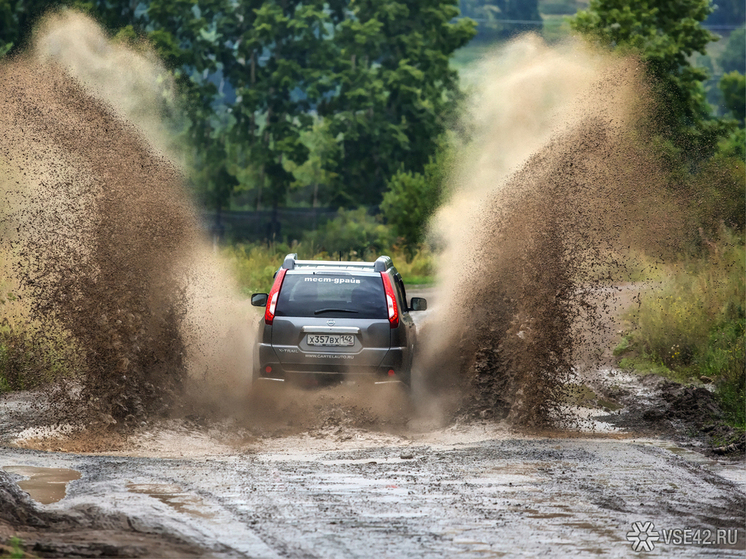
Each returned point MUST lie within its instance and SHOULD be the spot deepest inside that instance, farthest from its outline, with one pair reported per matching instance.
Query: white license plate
(331, 339)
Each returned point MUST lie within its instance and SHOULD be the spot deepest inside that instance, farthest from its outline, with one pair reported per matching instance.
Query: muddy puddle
(173, 496)
(45, 485)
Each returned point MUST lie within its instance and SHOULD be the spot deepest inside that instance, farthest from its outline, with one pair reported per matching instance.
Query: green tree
(412, 198)
(665, 34)
(351, 234)
(733, 87)
(733, 58)
(255, 75)
(396, 91)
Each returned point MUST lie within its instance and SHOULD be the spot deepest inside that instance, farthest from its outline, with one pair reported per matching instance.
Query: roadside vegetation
(692, 328)
(255, 264)
(14, 549)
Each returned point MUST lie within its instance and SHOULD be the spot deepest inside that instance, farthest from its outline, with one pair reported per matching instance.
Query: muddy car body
(336, 320)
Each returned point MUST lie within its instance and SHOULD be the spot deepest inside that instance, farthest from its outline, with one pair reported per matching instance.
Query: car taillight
(269, 313)
(390, 300)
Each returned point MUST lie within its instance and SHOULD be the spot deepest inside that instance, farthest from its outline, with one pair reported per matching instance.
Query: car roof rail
(289, 262)
(381, 264)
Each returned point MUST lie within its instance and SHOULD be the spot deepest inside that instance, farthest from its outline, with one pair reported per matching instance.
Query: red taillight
(390, 300)
(269, 313)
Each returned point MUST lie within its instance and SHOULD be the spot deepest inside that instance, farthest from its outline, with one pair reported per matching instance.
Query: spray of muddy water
(108, 249)
(549, 192)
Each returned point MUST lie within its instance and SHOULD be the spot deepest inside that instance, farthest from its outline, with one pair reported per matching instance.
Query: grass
(14, 549)
(694, 326)
(255, 264)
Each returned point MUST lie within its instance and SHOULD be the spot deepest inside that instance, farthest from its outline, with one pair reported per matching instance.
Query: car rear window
(332, 296)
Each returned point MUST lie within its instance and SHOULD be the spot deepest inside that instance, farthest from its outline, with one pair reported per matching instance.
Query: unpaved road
(478, 490)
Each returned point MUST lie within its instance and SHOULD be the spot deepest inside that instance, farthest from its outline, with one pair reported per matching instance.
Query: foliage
(15, 551)
(694, 325)
(733, 58)
(734, 146)
(396, 91)
(376, 73)
(733, 86)
(723, 358)
(311, 177)
(353, 233)
(255, 264)
(257, 76)
(412, 198)
(665, 34)
(719, 190)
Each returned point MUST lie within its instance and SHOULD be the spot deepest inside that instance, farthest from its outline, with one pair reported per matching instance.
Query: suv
(331, 319)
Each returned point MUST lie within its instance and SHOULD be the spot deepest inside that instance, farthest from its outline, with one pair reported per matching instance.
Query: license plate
(331, 339)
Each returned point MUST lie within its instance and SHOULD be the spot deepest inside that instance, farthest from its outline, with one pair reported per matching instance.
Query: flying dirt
(165, 450)
(109, 252)
(545, 203)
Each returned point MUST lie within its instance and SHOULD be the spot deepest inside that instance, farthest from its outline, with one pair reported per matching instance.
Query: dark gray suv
(333, 320)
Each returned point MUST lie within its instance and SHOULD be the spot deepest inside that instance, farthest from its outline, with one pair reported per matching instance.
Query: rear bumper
(368, 363)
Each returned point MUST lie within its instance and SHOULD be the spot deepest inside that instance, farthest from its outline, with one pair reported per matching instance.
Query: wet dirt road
(477, 490)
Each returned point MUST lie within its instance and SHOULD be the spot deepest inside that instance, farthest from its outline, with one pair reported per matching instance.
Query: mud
(547, 197)
(107, 249)
(99, 240)
(687, 414)
(537, 226)
(45, 485)
(83, 531)
(468, 490)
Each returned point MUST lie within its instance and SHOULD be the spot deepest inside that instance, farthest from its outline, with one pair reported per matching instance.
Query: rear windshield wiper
(319, 311)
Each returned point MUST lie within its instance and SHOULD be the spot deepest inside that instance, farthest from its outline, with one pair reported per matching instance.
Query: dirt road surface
(466, 491)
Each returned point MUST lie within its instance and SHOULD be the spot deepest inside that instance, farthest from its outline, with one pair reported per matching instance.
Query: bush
(351, 235)
(695, 324)
(412, 198)
(255, 264)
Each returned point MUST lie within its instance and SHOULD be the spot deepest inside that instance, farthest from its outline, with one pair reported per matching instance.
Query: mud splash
(108, 250)
(553, 189)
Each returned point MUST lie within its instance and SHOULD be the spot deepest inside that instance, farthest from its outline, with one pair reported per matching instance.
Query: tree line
(346, 103)
(332, 96)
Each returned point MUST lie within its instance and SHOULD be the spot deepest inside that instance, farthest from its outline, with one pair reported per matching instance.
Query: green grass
(695, 325)
(255, 264)
(14, 549)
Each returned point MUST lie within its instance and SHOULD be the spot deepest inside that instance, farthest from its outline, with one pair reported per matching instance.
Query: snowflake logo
(643, 536)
